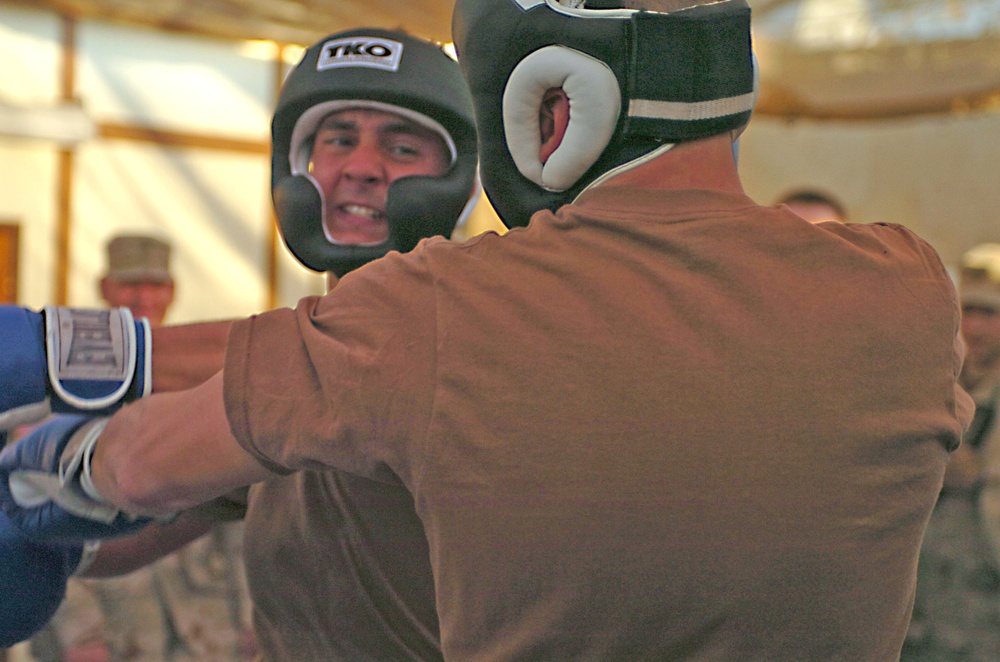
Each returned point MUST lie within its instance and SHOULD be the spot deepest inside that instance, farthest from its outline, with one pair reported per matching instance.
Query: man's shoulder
(881, 229)
(436, 253)
(892, 239)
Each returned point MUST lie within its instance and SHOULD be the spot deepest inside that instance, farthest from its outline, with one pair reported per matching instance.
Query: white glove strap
(90, 549)
(79, 462)
(79, 495)
(80, 451)
(33, 489)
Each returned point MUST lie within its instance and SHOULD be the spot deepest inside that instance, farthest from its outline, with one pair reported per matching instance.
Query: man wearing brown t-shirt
(653, 421)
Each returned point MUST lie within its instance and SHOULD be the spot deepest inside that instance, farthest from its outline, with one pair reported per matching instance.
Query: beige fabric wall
(939, 175)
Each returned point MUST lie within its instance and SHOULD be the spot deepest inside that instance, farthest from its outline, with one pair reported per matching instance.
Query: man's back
(715, 433)
(664, 424)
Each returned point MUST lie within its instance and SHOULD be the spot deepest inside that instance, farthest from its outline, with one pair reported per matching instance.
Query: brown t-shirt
(654, 425)
(339, 570)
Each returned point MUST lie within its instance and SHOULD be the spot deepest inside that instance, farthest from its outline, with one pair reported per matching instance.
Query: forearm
(120, 556)
(186, 355)
(170, 452)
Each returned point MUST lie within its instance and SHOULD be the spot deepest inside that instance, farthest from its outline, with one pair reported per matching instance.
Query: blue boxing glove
(33, 580)
(46, 488)
(70, 361)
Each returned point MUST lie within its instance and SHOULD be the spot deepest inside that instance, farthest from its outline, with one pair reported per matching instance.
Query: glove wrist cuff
(87, 557)
(111, 366)
(75, 473)
(86, 438)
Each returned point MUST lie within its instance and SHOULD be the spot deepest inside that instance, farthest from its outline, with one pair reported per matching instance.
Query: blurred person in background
(138, 276)
(814, 206)
(956, 615)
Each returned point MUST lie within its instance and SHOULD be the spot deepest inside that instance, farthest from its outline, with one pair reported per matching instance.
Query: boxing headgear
(637, 82)
(390, 71)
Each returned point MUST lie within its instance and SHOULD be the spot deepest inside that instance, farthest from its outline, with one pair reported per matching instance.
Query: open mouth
(360, 210)
(356, 223)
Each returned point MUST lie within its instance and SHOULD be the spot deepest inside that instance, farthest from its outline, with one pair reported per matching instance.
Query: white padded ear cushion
(595, 105)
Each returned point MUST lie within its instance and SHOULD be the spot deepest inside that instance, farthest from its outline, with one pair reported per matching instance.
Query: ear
(103, 287)
(588, 85)
(553, 118)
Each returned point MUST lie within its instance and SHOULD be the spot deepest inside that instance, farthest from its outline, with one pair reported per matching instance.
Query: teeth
(358, 210)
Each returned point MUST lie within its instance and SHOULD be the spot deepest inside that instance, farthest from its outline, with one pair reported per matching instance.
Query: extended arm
(186, 355)
(170, 452)
(77, 479)
(119, 556)
(183, 357)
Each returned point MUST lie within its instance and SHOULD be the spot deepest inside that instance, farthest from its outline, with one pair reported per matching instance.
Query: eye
(336, 139)
(405, 150)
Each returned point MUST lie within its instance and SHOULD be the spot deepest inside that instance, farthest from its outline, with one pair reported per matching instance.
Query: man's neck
(698, 164)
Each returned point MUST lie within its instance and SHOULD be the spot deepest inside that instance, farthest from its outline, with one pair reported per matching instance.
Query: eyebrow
(400, 127)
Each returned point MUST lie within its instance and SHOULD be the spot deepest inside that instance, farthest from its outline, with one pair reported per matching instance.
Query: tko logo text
(360, 52)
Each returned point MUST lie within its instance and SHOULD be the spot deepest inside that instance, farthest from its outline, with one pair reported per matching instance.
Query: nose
(365, 165)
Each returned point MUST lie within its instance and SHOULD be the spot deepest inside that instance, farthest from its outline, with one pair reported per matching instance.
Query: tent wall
(181, 148)
(936, 174)
(161, 102)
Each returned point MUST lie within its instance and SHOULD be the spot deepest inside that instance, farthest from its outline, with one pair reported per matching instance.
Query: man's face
(981, 331)
(356, 155)
(144, 299)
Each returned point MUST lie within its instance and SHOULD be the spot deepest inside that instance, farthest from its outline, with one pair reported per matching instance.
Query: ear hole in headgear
(595, 106)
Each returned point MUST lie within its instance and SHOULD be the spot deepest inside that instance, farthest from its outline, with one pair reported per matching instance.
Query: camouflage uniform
(191, 605)
(956, 615)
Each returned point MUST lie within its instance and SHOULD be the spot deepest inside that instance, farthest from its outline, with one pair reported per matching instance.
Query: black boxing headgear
(637, 81)
(385, 70)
